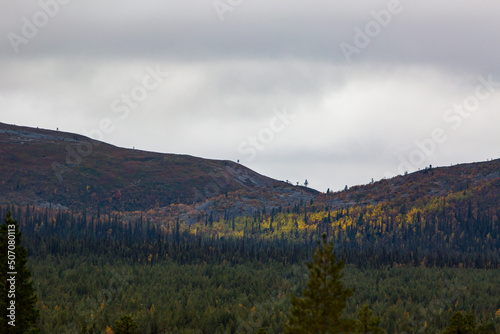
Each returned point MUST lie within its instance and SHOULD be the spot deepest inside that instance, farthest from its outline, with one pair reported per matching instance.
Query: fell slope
(55, 168)
(480, 178)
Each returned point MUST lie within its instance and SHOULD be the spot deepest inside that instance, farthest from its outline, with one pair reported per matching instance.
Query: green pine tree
(460, 324)
(320, 309)
(367, 322)
(466, 324)
(126, 325)
(13, 257)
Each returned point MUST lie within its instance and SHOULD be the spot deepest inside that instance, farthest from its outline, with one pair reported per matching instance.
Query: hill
(58, 169)
(426, 184)
(439, 216)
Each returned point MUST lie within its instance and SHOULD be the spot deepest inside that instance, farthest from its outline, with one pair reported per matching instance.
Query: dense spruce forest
(414, 264)
(456, 230)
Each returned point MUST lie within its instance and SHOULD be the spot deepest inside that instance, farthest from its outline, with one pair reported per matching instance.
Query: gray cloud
(422, 32)
(353, 120)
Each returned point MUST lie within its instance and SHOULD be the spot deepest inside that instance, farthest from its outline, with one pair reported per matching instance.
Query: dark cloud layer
(355, 117)
(455, 33)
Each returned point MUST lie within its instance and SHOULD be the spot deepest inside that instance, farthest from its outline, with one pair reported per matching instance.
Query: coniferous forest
(414, 267)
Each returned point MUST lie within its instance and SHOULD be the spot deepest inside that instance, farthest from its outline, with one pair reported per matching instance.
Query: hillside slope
(54, 168)
(421, 186)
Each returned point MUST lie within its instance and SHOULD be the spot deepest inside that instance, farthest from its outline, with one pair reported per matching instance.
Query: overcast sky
(336, 92)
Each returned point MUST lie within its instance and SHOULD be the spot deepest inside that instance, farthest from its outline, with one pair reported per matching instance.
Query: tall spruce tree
(368, 323)
(320, 309)
(17, 294)
(126, 325)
